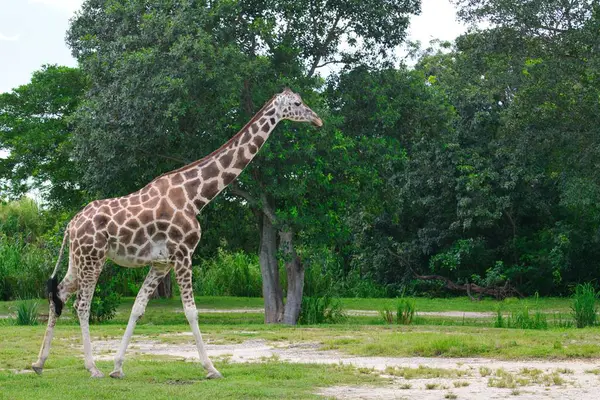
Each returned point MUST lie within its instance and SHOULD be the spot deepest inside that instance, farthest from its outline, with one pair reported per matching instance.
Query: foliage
(228, 274)
(26, 312)
(584, 305)
(321, 310)
(27, 249)
(36, 133)
(104, 304)
(22, 219)
(24, 269)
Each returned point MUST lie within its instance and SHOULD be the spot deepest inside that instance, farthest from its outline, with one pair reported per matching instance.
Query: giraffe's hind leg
(66, 287)
(156, 273)
(88, 276)
(183, 273)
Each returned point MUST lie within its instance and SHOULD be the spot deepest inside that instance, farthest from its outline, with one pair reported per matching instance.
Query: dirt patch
(566, 379)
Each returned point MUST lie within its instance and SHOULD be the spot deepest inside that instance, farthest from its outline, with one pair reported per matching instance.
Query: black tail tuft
(53, 295)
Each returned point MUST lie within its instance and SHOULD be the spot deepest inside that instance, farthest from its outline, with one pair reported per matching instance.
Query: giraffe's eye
(297, 104)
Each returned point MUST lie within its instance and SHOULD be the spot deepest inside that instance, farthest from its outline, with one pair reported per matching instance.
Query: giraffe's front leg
(87, 284)
(183, 273)
(152, 280)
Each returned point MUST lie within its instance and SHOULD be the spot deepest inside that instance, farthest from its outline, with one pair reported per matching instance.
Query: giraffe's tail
(52, 283)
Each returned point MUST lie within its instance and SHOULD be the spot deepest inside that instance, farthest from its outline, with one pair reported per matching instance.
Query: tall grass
(584, 305)
(405, 311)
(229, 274)
(321, 310)
(26, 312)
(522, 319)
(387, 315)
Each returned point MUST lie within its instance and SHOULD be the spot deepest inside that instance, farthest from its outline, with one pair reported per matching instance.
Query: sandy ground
(578, 382)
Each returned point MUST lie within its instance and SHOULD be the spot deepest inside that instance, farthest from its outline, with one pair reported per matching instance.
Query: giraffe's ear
(287, 90)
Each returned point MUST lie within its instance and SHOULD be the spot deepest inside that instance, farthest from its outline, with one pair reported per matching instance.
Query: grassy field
(546, 304)
(361, 336)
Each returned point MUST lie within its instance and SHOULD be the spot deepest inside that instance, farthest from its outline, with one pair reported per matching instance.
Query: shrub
(22, 219)
(104, 303)
(27, 312)
(229, 274)
(321, 310)
(104, 306)
(584, 305)
(24, 269)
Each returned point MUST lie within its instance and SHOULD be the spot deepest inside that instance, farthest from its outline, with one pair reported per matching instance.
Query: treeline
(477, 165)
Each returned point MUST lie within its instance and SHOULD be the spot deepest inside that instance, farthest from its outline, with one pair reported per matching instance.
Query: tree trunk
(295, 278)
(272, 293)
(164, 289)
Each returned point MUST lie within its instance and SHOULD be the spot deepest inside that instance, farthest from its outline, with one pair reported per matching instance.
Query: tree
(182, 77)
(523, 90)
(36, 132)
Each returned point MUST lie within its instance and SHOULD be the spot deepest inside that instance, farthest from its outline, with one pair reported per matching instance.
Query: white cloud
(69, 6)
(4, 38)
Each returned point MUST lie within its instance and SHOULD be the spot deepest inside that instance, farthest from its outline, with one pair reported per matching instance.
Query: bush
(22, 219)
(584, 305)
(104, 303)
(24, 269)
(229, 274)
(321, 310)
(27, 313)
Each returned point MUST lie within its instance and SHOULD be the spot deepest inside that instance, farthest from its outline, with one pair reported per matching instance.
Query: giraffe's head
(293, 108)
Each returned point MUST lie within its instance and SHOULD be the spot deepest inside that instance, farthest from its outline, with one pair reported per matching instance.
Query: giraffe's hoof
(38, 370)
(214, 375)
(95, 373)
(117, 374)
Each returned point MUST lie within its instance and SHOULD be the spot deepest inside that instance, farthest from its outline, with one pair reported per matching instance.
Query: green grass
(168, 380)
(548, 304)
(171, 378)
(159, 378)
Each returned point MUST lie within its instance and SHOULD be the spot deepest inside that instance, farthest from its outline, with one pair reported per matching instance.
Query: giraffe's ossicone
(157, 226)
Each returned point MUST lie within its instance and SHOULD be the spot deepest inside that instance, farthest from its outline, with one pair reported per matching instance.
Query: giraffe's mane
(205, 159)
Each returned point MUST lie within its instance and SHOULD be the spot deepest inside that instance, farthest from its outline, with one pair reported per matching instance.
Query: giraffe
(156, 226)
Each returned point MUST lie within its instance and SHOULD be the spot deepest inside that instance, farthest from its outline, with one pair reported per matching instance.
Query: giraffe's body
(157, 226)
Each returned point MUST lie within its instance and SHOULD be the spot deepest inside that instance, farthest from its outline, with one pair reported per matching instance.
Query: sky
(32, 33)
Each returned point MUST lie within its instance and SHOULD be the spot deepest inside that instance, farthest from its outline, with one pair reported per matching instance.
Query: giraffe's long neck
(203, 180)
